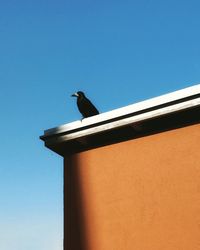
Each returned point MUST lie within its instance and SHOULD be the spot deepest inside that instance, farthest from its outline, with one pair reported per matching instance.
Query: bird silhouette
(85, 106)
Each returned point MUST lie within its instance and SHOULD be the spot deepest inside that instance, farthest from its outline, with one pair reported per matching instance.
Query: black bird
(85, 106)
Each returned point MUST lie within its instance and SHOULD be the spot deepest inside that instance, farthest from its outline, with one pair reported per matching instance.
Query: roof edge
(179, 96)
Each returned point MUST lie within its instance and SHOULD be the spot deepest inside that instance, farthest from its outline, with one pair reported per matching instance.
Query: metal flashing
(73, 136)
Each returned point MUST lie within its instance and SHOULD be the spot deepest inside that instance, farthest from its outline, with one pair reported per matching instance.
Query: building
(132, 175)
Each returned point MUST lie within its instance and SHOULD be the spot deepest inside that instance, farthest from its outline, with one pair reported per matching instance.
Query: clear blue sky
(118, 52)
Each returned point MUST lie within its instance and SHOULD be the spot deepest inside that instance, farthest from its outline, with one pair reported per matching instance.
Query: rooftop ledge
(176, 109)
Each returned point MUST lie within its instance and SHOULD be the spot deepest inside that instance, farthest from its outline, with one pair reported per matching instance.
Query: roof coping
(134, 114)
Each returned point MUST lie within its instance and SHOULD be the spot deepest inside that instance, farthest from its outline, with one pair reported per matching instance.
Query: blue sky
(118, 52)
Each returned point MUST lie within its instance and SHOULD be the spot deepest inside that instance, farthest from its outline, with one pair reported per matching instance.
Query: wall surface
(142, 194)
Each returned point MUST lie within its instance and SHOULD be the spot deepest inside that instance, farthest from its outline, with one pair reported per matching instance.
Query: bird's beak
(74, 95)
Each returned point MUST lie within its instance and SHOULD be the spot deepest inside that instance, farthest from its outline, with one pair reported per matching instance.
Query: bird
(85, 106)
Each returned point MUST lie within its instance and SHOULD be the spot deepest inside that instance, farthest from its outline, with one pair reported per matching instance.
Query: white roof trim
(117, 113)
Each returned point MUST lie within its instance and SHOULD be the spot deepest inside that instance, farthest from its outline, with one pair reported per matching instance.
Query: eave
(169, 111)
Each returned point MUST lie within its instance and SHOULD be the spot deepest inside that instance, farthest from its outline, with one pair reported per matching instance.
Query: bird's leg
(82, 119)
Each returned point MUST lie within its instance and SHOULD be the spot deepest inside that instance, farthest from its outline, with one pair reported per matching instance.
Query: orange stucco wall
(142, 194)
